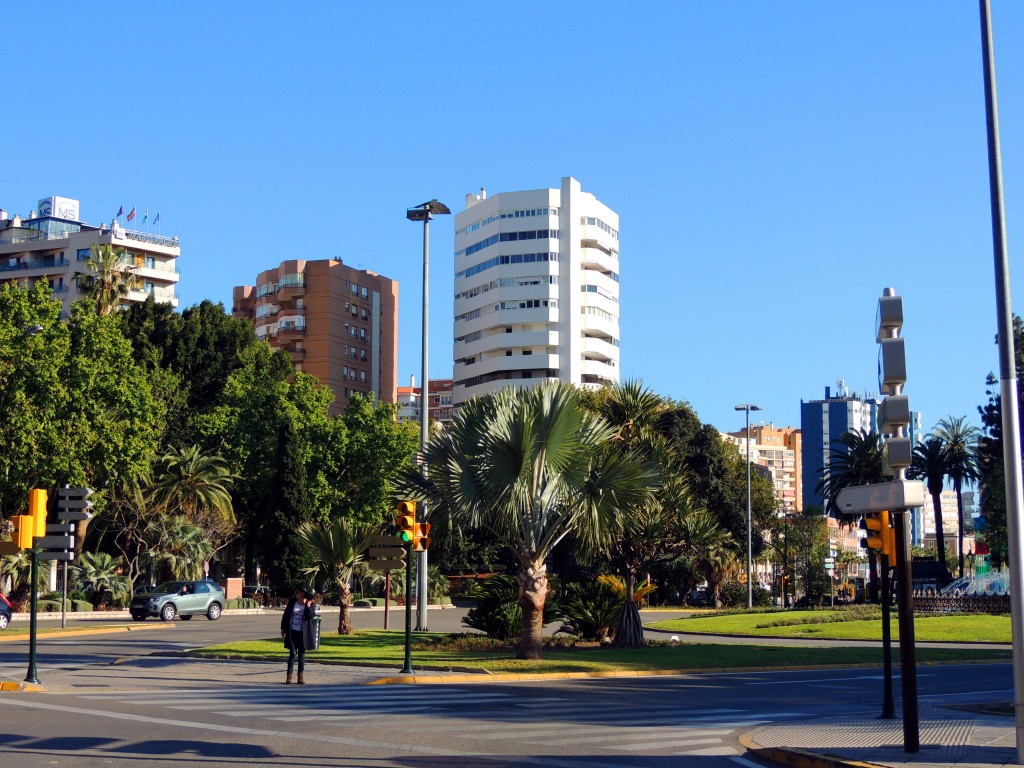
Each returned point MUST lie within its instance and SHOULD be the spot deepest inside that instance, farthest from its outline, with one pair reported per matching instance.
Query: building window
(365, 292)
(362, 376)
(149, 262)
(84, 254)
(148, 287)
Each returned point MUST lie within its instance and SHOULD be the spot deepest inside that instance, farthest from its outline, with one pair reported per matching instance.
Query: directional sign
(60, 528)
(388, 541)
(879, 497)
(63, 557)
(387, 552)
(56, 542)
(73, 504)
(386, 565)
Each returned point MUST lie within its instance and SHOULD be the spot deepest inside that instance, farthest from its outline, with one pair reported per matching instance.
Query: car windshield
(170, 586)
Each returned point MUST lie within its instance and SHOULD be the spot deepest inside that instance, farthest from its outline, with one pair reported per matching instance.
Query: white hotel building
(52, 243)
(536, 290)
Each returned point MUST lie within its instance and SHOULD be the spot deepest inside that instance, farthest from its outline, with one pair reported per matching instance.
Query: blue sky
(775, 165)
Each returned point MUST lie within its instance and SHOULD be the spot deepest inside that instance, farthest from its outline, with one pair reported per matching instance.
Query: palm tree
(197, 485)
(97, 574)
(857, 461)
(337, 549)
(930, 465)
(528, 466)
(179, 546)
(712, 551)
(109, 279)
(960, 441)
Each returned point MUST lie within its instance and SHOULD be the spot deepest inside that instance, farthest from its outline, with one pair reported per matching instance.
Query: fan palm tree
(930, 465)
(960, 441)
(858, 460)
(97, 574)
(197, 485)
(337, 549)
(712, 551)
(529, 466)
(109, 279)
(179, 546)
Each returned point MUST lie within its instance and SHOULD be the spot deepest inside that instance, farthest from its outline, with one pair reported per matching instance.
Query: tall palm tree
(960, 441)
(930, 465)
(109, 279)
(337, 549)
(197, 485)
(178, 546)
(857, 460)
(712, 551)
(528, 466)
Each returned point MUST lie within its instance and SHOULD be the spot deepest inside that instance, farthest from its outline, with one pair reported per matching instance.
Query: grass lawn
(378, 646)
(964, 628)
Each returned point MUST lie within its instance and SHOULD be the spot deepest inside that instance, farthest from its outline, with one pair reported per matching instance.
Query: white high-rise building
(536, 290)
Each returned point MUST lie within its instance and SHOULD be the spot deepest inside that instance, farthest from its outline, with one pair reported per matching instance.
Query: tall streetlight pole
(750, 584)
(424, 212)
(1008, 387)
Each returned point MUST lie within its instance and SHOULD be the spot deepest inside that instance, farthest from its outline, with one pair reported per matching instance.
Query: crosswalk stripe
(723, 751)
(659, 744)
(632, 732)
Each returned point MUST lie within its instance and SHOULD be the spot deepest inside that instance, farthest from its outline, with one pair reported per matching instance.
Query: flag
(145, 216)
(120, 212)
(131, 214)
(157, 217)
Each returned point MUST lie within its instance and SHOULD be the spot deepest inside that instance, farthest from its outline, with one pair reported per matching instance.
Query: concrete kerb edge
(799, 758)
(14, 686)
(97, 631)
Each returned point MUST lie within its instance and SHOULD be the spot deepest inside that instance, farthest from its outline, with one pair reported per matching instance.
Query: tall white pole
(422, 590)
(750, 583)
(1008, 387)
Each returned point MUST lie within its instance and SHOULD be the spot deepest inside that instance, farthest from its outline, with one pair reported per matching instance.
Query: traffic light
(406, 521)
(421, 542)
(24, 527)
(884, 538)
(37, 511)
(894, 411)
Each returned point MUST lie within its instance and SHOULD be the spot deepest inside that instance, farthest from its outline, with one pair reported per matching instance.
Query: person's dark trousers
(296, 648)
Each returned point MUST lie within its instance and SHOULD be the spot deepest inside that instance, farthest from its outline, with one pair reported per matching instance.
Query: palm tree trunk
(960, 525)
(344, 602)
(533, 590)
(631, 629)
(940, 538)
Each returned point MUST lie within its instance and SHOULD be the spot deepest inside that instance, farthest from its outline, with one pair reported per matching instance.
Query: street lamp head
(31, 330)
(425, 211)
(755, 408)
(747, 407)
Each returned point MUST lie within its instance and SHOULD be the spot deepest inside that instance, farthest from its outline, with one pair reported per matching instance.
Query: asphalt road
(175, 712)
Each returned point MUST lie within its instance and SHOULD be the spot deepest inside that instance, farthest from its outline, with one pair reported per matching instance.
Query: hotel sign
(61, 207)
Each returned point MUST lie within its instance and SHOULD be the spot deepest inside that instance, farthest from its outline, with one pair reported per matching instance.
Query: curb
(9, 685)
(81, 632)
(800, 758)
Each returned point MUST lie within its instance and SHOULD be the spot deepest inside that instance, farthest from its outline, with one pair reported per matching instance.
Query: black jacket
(286, 618)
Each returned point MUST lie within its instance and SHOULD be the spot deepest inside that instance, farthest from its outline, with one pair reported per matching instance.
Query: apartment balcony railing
(148, 237)
(37, 264)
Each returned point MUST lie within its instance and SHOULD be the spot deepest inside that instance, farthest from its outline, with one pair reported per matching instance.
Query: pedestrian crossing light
(421, 542)
(881, 537)
(37, 511)
(406, 521)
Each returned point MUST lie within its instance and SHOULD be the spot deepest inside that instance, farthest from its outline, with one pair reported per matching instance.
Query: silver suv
(180, 598)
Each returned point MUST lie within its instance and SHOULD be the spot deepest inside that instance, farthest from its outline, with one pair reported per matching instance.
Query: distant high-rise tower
(536, 290)
(823, 422)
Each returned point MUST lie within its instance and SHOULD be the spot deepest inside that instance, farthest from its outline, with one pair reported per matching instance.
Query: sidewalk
(949, 737)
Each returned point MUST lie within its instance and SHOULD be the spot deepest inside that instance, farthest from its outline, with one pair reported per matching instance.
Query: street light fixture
(424, 212)
(750, 584)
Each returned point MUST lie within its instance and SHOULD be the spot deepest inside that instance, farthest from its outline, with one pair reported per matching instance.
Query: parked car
(180, 598)
(5, 611)
(259, 592)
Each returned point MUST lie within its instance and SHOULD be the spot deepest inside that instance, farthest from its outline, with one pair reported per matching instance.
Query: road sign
(388, 541)
(385, 565)
(56, 542)
(73, 504)
(829, 562)
(60, 528)
(387, 552)
(64, 557)
(879, 497)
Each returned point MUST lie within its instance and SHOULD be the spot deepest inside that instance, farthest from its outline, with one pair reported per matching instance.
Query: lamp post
(424, 212)
(750, 584)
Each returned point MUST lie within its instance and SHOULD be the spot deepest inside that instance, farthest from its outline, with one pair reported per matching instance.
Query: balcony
(288, 332)
(298, 355)
(45, 264)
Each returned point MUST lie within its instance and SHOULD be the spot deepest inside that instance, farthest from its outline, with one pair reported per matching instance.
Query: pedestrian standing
(299, 612)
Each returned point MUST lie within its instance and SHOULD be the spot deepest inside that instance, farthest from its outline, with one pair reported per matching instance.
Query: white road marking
(652, 744)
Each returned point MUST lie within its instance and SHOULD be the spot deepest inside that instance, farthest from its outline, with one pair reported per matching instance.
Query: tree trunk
(631, 630)
(344, 602)
(940, 538)
(960, 526)
(533, 590)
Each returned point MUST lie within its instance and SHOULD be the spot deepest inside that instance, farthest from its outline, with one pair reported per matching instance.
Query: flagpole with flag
(120, 211)
(156, 221)
(131, 214)
(145, 220)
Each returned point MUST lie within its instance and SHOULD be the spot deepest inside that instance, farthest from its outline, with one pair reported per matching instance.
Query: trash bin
(311, 634)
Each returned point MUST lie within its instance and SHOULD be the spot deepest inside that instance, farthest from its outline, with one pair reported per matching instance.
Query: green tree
(930, 466)
(960, 444)
(337, 548)
(97, 574)
(528, 466)
(289, 510)
(110, 277)
(177, 547)
(197, 485)
(809, 547)
(712, 551)
(856, 458)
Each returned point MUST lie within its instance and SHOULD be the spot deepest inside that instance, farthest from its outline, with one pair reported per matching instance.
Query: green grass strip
(379, 647)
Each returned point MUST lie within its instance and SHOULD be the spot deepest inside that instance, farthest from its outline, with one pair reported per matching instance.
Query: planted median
(479, 654)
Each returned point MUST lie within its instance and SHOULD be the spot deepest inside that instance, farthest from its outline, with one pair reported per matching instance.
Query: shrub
(50, 606)
(231, 604)
(365, 603)
(82, 605)
(591, 611)
(498, 614)
(735, 594)
(77, 594)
